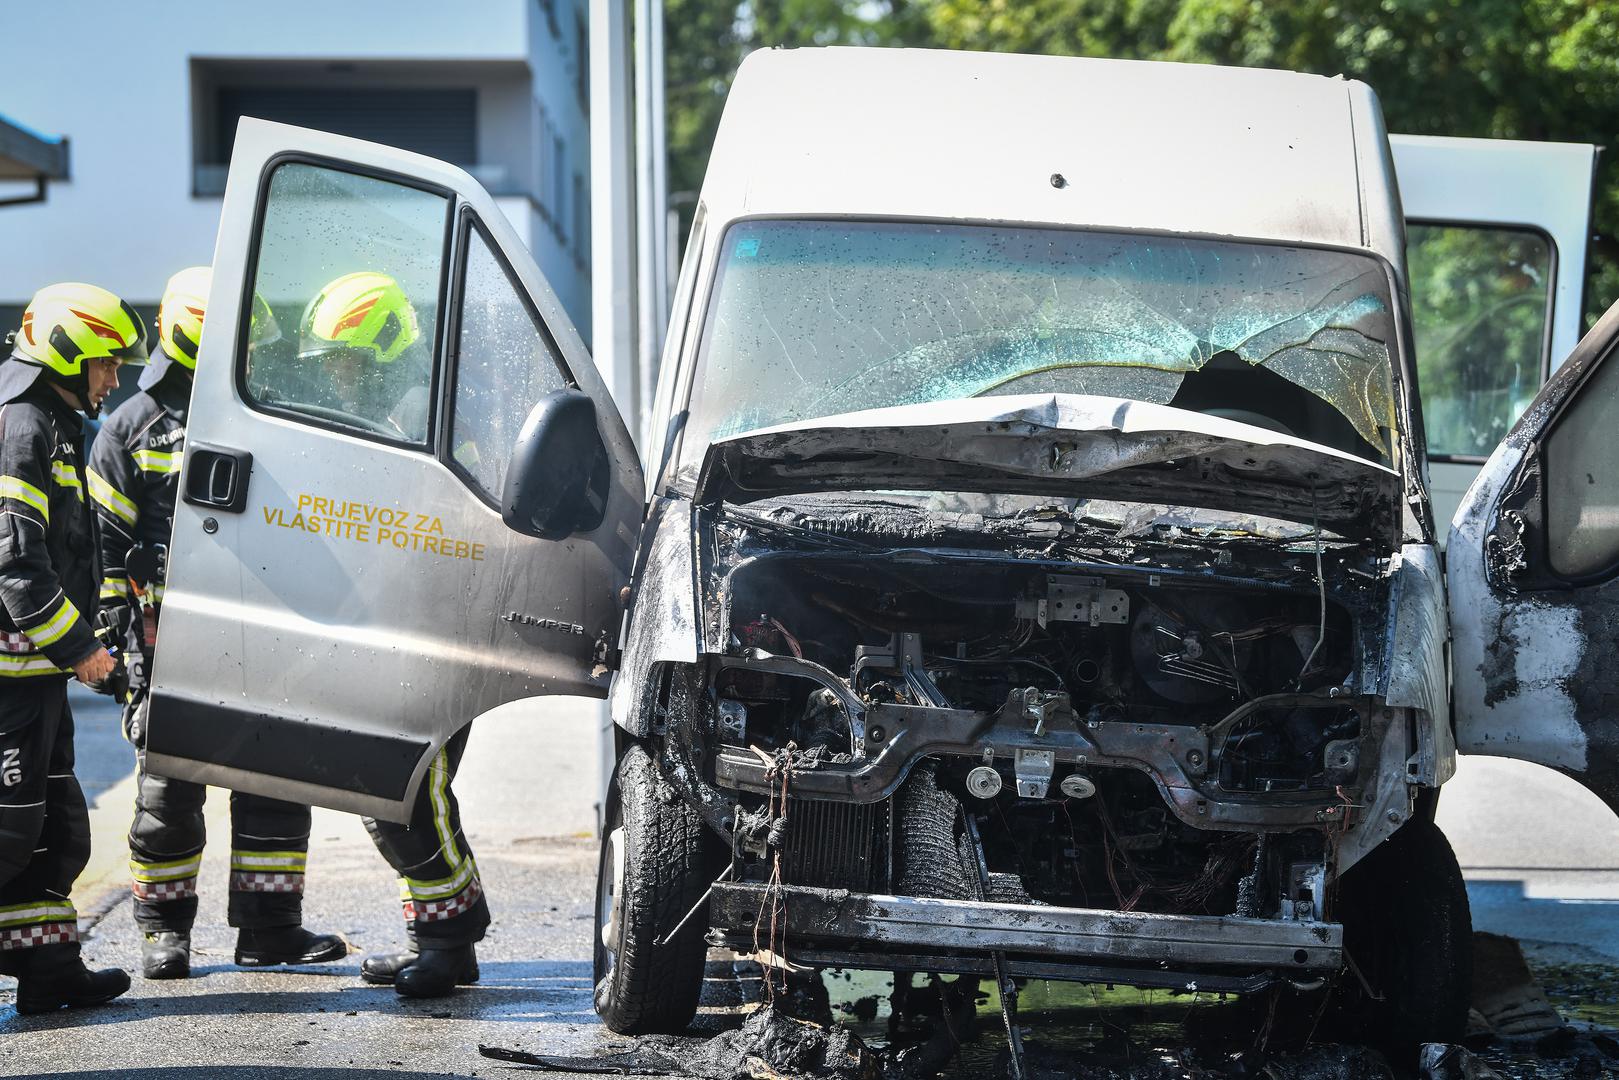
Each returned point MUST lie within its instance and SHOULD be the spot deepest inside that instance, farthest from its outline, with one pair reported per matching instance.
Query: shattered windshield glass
(816, 318)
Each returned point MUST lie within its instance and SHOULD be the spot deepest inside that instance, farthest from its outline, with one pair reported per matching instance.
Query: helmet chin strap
(78, 399)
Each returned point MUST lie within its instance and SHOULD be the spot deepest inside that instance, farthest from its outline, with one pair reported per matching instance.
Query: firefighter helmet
(366, 312)
(64, 325)
(263, 328)
(179, 316)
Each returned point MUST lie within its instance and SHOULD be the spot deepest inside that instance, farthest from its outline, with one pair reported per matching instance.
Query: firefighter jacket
(47, 540)
(134, 475)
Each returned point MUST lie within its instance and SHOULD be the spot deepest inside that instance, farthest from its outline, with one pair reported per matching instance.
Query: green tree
(1509, 69)
(705, 40)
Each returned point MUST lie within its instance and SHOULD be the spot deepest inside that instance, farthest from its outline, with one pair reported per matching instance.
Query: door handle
(216, 477)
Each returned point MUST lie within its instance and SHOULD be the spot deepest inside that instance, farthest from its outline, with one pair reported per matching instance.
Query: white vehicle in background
(1036, 577)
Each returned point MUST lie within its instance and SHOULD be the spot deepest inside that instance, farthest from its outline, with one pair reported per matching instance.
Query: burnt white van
(1033, 574)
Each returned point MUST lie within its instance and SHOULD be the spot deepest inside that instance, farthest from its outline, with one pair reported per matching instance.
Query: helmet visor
(133, 353)
(338, 355)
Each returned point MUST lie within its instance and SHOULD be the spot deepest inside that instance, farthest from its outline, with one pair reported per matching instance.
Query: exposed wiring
(1024, 660)
(792, 642)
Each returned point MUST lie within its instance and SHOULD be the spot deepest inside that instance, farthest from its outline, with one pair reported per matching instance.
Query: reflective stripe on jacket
(47, 540)
(135, 476)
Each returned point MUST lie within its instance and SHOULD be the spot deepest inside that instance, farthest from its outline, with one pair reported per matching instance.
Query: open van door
(407, 497)
(1533, 566)
(1496, 233)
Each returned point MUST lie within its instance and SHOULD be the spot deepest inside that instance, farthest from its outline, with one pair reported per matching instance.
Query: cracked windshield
(817, 318)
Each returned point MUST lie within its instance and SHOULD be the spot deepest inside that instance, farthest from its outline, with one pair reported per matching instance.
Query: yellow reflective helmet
(66, 324)
(263, 327)
(365, 311)
(179, 315)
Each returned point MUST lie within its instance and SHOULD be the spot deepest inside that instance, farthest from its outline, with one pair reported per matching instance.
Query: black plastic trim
(303, 750)
(232, 502)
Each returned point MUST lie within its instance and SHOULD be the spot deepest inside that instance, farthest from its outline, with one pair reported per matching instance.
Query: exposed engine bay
(1117, 738)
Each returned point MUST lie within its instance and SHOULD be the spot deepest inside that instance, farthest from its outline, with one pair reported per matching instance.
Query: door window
(1480, 306)
(345, 301)
(1582, 479)
(505, 364)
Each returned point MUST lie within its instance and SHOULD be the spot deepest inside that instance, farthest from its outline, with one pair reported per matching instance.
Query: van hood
(1069, 445)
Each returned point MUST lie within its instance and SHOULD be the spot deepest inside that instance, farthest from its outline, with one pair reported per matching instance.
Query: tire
(644, 988)
(1409, 931)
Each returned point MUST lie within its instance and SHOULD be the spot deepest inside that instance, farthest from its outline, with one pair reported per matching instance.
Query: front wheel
(1408, 930)
(654, 869)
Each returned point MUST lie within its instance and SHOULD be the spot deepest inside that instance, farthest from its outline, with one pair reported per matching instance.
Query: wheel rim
(609, 897)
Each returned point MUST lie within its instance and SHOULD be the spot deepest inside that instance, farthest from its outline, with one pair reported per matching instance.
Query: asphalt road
(527, 786)
(1541, 854)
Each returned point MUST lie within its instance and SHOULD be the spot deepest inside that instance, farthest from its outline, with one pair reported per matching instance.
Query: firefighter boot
(52, 977)
(383, 968)
(437, 972)
(275, 945)
(166, 954)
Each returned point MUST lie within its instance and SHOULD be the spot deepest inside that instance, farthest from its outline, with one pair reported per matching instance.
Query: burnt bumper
(827, 923)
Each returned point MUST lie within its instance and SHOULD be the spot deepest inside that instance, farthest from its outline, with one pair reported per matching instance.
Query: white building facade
(500, 87)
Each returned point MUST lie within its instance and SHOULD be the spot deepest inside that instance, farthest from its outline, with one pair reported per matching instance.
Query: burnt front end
(1143, 761)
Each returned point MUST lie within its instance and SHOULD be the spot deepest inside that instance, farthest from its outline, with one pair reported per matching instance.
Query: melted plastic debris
(1442, 1062)
(1329, 1063)
(770, 1045)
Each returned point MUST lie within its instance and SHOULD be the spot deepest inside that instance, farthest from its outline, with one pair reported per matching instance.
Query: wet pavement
(527, 787)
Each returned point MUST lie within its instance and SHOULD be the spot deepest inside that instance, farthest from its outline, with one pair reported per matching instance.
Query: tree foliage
(1512, 69)
(705, 41)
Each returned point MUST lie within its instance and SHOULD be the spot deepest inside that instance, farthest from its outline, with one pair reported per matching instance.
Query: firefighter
(133, 478)
(360, 337)
(64, 360)
(356, 330)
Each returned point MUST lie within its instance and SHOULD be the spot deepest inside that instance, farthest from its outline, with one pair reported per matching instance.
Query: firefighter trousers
(443, 898)
(269, 838)
(269, 847)
(44, 823)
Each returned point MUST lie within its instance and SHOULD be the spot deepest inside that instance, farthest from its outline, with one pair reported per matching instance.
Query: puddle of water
(1586, 992)
(1059, 1019)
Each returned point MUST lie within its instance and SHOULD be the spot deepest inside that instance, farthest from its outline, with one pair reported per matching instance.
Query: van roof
(1181, 148)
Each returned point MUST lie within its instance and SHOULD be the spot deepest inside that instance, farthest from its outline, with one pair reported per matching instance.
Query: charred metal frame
(1178, 757)
(835, 917)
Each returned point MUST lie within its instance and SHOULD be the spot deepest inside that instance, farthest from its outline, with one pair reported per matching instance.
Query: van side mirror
(557, 483)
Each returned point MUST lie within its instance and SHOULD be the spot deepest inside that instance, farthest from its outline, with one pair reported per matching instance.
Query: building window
(441, 122)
